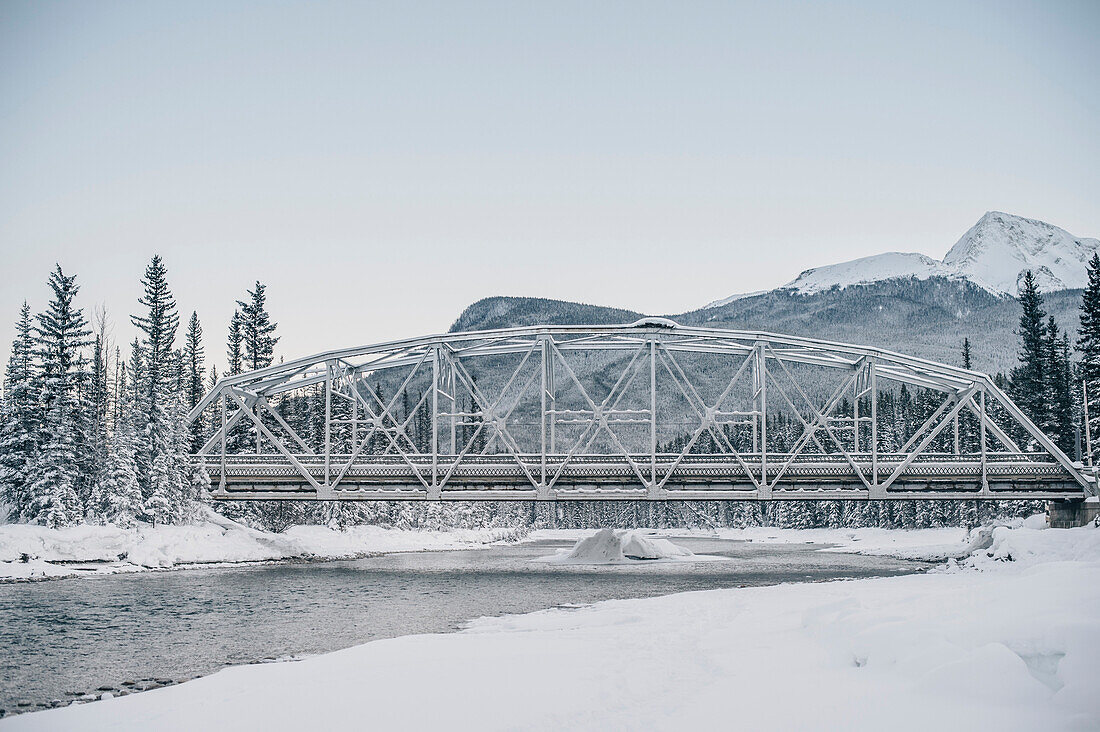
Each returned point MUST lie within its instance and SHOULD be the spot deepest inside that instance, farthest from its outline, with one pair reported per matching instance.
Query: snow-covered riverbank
(35, 552)
(1006, 639)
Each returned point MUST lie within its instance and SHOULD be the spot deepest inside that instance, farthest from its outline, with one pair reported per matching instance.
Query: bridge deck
(608, 477)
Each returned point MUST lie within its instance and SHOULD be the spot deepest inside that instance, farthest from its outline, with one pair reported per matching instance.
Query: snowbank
(32, 552)
(616, 546)
(1004, 645)
(925, 544)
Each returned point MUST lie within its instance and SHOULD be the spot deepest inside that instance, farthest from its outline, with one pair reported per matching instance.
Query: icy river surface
(63, 639)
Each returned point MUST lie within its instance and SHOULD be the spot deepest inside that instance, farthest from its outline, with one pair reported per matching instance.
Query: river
(66, 638)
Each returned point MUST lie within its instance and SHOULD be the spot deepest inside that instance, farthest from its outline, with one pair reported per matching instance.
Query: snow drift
(614, 546)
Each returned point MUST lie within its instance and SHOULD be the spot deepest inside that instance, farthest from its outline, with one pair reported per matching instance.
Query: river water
(66, 638)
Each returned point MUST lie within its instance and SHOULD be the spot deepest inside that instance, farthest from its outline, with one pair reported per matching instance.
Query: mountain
(513, 312)
(909, 303)
(993, 255)
(998, 249)
(863, 271)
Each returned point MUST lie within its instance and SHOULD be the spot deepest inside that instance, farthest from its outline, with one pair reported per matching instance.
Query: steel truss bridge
(652, 410)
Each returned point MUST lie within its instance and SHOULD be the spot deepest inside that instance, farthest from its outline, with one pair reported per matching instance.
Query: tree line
(87, 435)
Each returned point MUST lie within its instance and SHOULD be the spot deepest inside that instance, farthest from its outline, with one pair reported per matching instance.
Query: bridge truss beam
(620, 412)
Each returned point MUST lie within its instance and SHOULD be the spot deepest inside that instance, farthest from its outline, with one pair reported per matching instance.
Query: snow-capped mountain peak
(997, 250)
(878, 267)
(993, 254)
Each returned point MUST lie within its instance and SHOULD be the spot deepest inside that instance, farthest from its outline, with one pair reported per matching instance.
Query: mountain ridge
(993, 254)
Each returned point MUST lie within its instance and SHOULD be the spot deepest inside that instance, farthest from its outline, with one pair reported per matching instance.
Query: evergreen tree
(257, 329)
(158, 327)
(117, 495)
(233, 348)
(57, 473)
(1088, 343)
(966, 354)
(19, 431)
(1059, 391)
(193, 390)
(162, 443)
(1028, 384)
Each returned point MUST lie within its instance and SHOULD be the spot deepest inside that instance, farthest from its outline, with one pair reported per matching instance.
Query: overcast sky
(382, 165)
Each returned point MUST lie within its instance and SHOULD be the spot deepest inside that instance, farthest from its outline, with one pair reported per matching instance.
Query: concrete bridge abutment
(1071, 514)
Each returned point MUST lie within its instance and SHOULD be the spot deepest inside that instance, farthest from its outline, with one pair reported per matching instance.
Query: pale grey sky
(382, 165)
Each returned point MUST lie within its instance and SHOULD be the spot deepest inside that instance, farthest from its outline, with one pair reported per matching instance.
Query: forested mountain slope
(926, 318)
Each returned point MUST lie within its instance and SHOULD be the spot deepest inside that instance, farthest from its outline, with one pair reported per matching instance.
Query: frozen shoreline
(982, 643)
(31, 553)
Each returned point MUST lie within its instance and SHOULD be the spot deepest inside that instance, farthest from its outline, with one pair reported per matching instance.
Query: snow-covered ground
(35, 552)
(980, 643)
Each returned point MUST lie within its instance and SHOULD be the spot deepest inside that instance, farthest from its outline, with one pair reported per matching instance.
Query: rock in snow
(613, 546)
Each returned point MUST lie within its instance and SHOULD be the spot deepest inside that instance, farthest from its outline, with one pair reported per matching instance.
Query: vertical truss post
(543, 385)
(258, 436)
(551, 394)
(653, 417)
(755, 407)
(985, 478)
(855, 415)
(760, 371)
(352, 386)
(873, 374)
(328, 423)
(221, 483)
(452, 384)
(434, 493)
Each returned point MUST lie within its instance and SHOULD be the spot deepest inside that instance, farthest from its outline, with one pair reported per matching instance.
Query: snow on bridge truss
(651, 410)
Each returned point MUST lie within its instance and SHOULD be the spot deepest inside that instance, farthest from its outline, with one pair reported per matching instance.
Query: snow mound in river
(613, 546)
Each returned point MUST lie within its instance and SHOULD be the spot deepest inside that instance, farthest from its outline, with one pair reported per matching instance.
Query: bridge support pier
(1070, 514)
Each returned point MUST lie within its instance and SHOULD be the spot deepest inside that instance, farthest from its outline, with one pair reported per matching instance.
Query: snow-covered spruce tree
(22, 418)
(1061, 416)
(1088, 345)
(57, 477)
(1028, 381)
(251, 346)
(193, 387)
(234, 352)
(237, 438)
(257, 329)
(117, 496)
(160, 452)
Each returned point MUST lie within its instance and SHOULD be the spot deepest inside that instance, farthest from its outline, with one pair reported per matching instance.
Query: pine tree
(1028, 385)
(162, 443)
(193, 390)
(56, 474)
(966, 354)
(233, 350)
(117, 495)
(156, 384)
(22, 418)
(1059, 391)
(257, 329)
(1088, 343)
